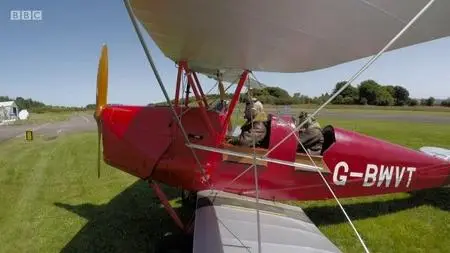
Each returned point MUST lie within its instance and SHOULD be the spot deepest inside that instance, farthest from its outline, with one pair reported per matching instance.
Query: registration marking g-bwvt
(374, 175)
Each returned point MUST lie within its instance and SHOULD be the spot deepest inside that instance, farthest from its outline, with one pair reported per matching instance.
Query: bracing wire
(357, 74)
(158, 77)
(350, 80)
(163, 89)
(334, 196)
(329, 188)
(255, 170)
(214, 101)
(333, 193)
(370, 62)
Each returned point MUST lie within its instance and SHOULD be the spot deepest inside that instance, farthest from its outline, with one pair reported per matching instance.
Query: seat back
(266, 140)
(328, 138)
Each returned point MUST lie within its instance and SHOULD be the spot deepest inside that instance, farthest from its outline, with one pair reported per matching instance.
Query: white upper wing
(227, 223)
(284, 35)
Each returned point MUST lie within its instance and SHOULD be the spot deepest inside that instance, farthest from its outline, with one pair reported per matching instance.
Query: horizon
(55, 60)
(164, 101)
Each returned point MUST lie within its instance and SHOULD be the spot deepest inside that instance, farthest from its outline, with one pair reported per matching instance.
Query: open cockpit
(278, 127)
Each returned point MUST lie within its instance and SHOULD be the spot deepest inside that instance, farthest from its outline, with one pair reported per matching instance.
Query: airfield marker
(29, 135)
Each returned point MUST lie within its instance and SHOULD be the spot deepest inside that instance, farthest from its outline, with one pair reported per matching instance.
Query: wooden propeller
(101, 98)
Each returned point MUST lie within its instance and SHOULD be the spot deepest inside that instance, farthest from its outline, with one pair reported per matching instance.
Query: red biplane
(185, 146)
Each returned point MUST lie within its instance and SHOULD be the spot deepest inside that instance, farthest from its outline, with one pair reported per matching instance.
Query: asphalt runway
(78, 123)
(83, 123)
(389, 116)
(406, 116)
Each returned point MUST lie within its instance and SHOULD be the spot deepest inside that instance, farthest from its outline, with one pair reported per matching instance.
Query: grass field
(51, 201)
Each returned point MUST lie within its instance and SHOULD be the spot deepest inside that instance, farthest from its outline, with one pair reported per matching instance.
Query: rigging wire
(163, 89)
(205, 178)
(255, 169)
(207, 93)
(335, 197)
(357, 74)
(370, 62)
(329, 187)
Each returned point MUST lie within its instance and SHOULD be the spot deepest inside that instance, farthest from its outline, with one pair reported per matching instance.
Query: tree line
(368, 92)
(37, 106)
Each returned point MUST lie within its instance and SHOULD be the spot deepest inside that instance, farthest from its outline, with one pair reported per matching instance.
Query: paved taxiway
(80, 123)
(76, 123)
(407, 116)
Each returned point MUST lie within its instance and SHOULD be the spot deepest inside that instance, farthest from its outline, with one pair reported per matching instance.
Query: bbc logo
(28, 15)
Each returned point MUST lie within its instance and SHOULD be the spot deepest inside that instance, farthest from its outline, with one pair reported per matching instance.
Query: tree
(368, 90)
(90, 106)
(430, 101)
(338, 100)
(401, 95)
(446, 102)
(5, 98)
(301, 99)
(363, 101)
(391, 90)
(383, 97)
(413, 102)
(276, 92)
(349, 95)
(348, 101)
(321, 99)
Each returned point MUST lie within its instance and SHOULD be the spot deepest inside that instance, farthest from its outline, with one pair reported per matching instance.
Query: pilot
(254, 127)
(221, 106)
(310, 135)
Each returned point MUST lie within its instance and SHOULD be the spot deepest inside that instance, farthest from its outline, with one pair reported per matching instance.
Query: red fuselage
(147, 142)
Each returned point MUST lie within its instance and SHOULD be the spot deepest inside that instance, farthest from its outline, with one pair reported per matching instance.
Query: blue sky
(55, 60)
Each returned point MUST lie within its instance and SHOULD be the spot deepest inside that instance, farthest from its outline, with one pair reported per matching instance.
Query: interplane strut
(200, 97)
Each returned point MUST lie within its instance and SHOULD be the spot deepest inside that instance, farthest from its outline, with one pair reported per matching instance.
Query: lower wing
(227, 222)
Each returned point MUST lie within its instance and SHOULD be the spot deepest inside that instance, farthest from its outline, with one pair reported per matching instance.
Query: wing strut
(356, 75)
(177, 89)
(255, 173)
(200, 89)
(236, 96)
(234, 100)
(163, 89)
(220, 84)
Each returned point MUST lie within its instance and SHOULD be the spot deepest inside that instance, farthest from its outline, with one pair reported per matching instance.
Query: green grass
(51, 201)
(400, 222)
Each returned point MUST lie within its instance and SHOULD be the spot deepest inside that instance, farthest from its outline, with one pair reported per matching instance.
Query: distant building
(8, 111)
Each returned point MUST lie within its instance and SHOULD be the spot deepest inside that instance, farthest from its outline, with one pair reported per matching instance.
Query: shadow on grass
(133, 221)
(327, 215)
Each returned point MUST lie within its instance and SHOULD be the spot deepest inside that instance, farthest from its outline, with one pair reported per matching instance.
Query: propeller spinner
(101, 98)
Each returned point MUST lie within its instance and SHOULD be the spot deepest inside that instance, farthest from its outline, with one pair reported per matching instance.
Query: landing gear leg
(162, 197)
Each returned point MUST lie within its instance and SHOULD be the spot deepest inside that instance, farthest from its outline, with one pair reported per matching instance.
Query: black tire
(175, 243)
(188, 198)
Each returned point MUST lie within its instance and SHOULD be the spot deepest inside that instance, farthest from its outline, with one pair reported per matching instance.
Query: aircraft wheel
(188, 197)
(175, 243)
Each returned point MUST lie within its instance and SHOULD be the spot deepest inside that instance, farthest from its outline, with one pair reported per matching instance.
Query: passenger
(310, 135)
(254, 127)
(221, 106)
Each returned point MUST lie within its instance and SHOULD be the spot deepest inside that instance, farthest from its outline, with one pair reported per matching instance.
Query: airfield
(52, 200)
